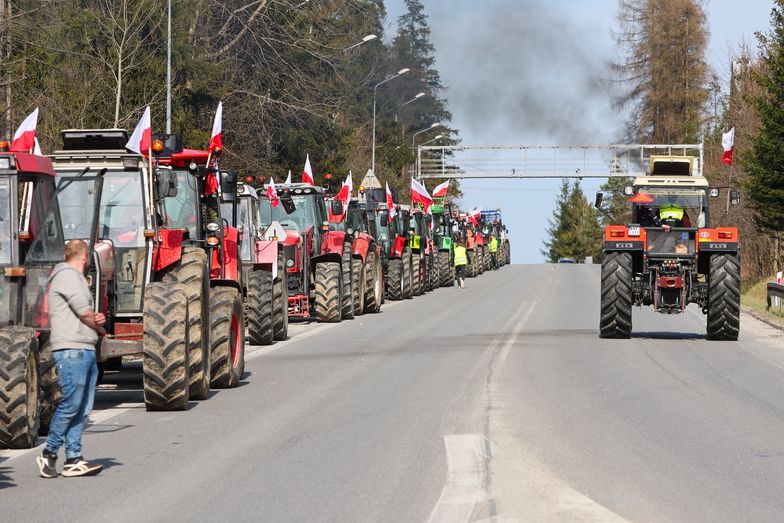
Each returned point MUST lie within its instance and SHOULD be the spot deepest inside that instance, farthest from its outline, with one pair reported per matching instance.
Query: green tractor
(443, 228)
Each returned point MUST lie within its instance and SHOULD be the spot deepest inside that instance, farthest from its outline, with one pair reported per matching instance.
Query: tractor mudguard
(169, 248)
(332, 243)
(265, 255)
(360, 246)
(720, 240)
(229, 267)
(396, 250)
(617, 238)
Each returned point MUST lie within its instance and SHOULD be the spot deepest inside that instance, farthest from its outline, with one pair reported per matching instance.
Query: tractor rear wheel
(260, 308)
(374, 287)
(396, 279)
(616, 306)
(50, 392)
(328, 292)
(18, 388)
(165, 347)
(473, 264)
(228, 337)
(416, 275)
(724, 297)
(347, 301)
(408, 276)
(280, 300)
(486, 257)
(436, 271)
(443, 268)
(358, 272)
(193, 274)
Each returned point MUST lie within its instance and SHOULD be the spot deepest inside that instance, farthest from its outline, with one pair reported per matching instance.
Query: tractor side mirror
(287, 202)
(598, 201)
(167, 183)
(336, 207)
(384, 218)
(734, 197)
(228, 181)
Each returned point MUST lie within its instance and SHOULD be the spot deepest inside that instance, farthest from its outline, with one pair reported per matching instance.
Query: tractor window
(355, 220)
(181, 210)
(121, 217)
(243, 219)
(6, 227)
(650, 201)
(303, 216)
(47, 230)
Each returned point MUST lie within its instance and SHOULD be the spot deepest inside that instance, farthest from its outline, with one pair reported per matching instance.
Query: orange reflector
(25, 235)
(149, 233)
(212, 241)
(157, 146)
(14, 272)
(617, 234)
(725, 234)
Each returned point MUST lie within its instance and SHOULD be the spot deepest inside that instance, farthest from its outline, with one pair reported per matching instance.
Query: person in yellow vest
(494, 251)
(461, 260)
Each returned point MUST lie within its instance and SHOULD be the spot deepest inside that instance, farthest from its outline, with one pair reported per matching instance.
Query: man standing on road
(461, 260)
(494, 251)
(75, 328)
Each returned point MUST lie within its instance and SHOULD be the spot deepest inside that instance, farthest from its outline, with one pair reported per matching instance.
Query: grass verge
(753, 299)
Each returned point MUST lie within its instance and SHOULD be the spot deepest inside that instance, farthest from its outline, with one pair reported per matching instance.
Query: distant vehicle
(566, 260)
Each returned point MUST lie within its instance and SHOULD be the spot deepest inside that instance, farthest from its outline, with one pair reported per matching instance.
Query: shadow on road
(107, 463)
(664, 335)
(5, 479)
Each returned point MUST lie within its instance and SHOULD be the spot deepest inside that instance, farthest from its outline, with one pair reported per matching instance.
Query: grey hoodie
(69, 298)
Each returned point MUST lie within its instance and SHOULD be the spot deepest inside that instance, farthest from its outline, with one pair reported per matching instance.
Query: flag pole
(152, 195)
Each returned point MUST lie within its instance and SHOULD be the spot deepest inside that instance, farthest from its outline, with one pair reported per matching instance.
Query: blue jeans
(77, 373)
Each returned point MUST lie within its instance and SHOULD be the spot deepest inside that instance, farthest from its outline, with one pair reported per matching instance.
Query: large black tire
(395, 279)
(328, 292)
(50, 393)
(228, 337)
(408, 276)
(193, 273)
(18, 388)
(374, 286)
(444, 270)
(416, 275)
(473, 266)
(724, 297)
(435, 269)
(486, 257)
(480, 262)
(280, 300)
(347, 300)
(165, 347)
(616, 302)
(260, 308)
(358, 272)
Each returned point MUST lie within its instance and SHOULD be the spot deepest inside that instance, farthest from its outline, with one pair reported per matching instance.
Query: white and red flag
(140, 141)
(390, 204)
(420, 195)
(37, 148)
(288, 179)
(216, 140)
(272, 193)
(24, 137)
(728, 143)
(307, 172)
(441, 190)
(344, 195)
(473, 214)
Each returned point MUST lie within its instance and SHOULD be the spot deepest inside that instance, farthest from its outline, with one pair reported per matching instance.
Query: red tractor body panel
(169, 248)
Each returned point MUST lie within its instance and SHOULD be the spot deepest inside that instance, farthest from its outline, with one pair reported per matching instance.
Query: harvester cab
(32, 242)
(314, 251)
(668, 257)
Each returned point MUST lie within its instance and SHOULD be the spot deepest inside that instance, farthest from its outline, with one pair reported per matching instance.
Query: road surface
(497, 402)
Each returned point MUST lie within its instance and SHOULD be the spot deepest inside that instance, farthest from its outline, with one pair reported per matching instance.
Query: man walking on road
(494, 251)
(461, 260)
(75, 328)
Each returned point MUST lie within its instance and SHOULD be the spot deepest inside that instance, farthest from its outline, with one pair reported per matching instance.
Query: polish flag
(728, 143)
(288, 179)
(420, 195)
(473, 214)
(24, 137)
(345, 191)
(140, 141)
(37, 148)
(441, 190)
(272, 193)
(216, 141)
(307, 173)
(390, 204)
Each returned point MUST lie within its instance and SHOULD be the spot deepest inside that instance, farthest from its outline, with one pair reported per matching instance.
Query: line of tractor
(190, 263)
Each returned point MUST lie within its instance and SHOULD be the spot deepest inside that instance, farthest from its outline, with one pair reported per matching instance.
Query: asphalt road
(497, 402)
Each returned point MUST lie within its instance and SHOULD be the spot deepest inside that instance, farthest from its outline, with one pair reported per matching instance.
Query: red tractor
(169, 271)
(31, 244)
(263, 269)
(400, 271)
(366, 257)
(316, 283)
(668, 257)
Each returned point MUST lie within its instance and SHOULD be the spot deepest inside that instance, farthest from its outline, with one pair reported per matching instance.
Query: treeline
(289, 74)
(673, 96)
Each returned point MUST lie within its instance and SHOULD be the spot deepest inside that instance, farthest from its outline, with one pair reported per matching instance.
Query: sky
(534, 72)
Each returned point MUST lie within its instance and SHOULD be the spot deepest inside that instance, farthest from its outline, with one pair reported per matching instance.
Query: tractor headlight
(350, 231)
(289, 263)
(213, 227)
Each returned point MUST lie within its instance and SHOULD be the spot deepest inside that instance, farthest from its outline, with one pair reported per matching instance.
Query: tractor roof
(25, 163)
(300, 188)
(247, 190)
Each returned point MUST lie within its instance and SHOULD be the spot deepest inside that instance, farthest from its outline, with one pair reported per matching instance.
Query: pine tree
(615, 203)
(764, 164)
(573, 230)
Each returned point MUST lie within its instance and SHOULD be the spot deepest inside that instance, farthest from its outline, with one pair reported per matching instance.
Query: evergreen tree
(615, 203)
(764, 163)
(573, 230)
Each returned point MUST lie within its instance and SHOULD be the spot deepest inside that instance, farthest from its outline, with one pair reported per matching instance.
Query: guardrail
(775, 290)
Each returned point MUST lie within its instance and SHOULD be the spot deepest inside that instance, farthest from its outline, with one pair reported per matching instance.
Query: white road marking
(466, 479)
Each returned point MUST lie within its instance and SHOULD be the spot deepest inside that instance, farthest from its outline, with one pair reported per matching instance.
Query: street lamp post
(385, 80)
(366, 39)
(168, 74)
(413, 140)
(438, 137)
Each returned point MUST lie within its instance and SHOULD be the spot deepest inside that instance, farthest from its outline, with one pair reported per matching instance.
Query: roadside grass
(753, 297)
